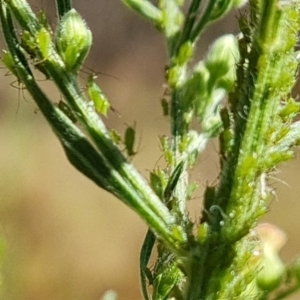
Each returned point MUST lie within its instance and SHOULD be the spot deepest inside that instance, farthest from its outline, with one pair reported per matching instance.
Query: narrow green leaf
(145, 255)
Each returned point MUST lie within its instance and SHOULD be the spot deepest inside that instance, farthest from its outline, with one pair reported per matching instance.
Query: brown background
(67, 238)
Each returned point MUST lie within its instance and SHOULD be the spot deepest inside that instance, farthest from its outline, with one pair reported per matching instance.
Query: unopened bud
(211, 119)
(74, 40)
(271, 273)
(185, 53)
(223, 56)
(272, 239)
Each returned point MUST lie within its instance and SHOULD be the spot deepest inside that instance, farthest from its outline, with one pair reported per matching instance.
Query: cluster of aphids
(65, 50)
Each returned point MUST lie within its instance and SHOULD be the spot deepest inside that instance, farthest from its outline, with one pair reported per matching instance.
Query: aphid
(9, 63)
(38, 49)
(44, 42)
(44, 21)
(129, 140)
(149, 275)
(157, 184)
(87, 70)
(115, 136)
(165, 106)
(28, 44)
(97, 96)
(67, 111)
(265, 189)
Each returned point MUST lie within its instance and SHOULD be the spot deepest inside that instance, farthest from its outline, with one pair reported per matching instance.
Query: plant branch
(63, 6)
(99, 166)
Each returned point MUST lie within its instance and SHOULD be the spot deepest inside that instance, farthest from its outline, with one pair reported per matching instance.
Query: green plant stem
(189, 23)
(179, 130)
(204, 20)
(267, 26)
(124, 187)
(63, 6)
(67, 83)
(196, 274)
(25, 16)
(216, 265)
(97, 130)
(239, 198)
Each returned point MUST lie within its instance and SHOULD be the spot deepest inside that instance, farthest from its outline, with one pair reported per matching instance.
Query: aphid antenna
(91, 72)
(16, 84)
(279, 180)
(158, 160)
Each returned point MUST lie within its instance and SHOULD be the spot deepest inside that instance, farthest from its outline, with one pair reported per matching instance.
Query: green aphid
(149, 275)
(129, 140)
(168, 278)
(9, 63)
(38, 48)
(44, 37)
(165, 106)
(97, 96)
(28, 44)
(115, 136)
(44, 21)
(44, 43)
(157, 184)
(45, 47)
(67, 111)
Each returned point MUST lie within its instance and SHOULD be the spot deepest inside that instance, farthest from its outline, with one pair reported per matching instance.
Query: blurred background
(67, 239)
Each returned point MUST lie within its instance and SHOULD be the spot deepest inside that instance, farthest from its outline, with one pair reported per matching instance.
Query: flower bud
(222, 56)
(185, 53)
(178, 234)
(227, 82)
(196, 87)
(211, 119)
(74, 40)
(271, 273)
(272, 240)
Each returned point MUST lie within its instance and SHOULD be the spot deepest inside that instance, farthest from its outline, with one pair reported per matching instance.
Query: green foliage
(241, 93)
